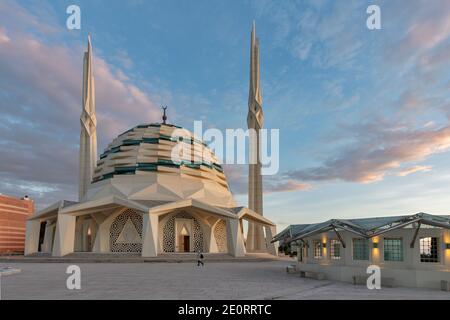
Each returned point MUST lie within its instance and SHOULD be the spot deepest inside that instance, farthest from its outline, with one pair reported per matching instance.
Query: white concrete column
(150, 235)
(32, 236)
(272, 248)
(211, 239)
(101, 235)
(64, 235)
(235, 238)
(101, 243)
(250, 244)
(255, 237)
(87, 223)
(79, 234)
(48, 238)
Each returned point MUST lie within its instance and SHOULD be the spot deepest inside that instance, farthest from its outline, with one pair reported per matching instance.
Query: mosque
(136, 197)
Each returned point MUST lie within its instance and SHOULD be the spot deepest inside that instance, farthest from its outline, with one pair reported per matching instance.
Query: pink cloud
(428, 27)
(3, 36)
(40, 102)
(380, 151)
(237, 176)
(285, 185)
(414, 169)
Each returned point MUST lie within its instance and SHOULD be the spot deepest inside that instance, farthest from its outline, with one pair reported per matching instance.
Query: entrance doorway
(184, 235)
(89, 239)
(186, 241)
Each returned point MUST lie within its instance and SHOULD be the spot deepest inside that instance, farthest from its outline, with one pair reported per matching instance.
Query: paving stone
(218, 280)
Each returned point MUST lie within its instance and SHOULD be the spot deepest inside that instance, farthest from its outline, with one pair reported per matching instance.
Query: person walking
(200, 258)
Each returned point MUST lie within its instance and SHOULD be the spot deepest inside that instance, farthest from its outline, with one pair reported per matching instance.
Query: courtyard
(171, 280)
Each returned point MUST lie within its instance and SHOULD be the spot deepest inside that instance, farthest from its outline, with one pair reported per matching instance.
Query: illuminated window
(335, 249)
(317, 245)
(360, 249)
(429, 249)
(393, 249)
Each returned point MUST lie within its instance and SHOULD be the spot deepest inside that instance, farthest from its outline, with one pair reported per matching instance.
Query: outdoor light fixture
(375, 245)
(324, 244)
(447, 246)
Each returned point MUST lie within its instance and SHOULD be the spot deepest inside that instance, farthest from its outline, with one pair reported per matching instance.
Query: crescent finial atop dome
(164, 117)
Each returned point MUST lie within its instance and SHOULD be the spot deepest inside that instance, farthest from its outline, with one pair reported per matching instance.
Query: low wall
(402, 277)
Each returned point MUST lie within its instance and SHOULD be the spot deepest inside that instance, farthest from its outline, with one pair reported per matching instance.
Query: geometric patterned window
(131, 221)
(429, 249)
(317, 246)
(393, 249)
(220, 235)
(335, 249)
(360, 249)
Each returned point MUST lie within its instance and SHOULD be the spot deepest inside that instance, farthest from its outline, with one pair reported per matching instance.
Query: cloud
(431, 30)
(365, 151)
(40, 105)
(4, 37)
(124, 59)
(427, 27)
(320, 31)
(379, 151)
(237, 176)
(285, 185)
(414, 169)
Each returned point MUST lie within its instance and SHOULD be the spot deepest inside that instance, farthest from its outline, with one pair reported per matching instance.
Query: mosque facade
(149, 194)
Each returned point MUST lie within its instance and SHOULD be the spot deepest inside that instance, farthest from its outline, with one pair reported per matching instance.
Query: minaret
(255, 119)
(88, 134)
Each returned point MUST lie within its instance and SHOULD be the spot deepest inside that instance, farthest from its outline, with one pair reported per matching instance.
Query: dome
(161, 162)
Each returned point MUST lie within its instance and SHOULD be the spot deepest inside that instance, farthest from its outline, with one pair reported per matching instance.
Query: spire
(255, 120)
(164, 117)
(253, 40)
(88, 121)
(255, 116)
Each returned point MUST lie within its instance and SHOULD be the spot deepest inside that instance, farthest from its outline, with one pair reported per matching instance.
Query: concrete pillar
(255, 237)
(235, 238)
(211, 244)
(79, 234)
(32, 236)
(47, 246)
(272, 248)
(64, 235)
(87, 223)
(150, 235)
(101, 243)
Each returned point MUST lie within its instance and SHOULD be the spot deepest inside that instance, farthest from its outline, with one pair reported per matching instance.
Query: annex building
(412, 251)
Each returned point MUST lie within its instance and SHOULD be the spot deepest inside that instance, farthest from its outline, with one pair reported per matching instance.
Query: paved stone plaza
(217, 280)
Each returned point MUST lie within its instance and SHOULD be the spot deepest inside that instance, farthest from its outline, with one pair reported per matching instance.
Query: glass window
(360, 249)
(429, 249)
(317, 245)
(335, 249)
(393, 249)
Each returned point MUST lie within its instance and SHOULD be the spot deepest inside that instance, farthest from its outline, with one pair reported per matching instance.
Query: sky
(364, 115)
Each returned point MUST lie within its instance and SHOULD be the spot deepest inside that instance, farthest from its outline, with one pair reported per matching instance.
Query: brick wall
(14, 213)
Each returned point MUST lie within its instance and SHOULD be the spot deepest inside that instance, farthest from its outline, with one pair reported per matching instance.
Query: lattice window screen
(117, 227)
(220, 234)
